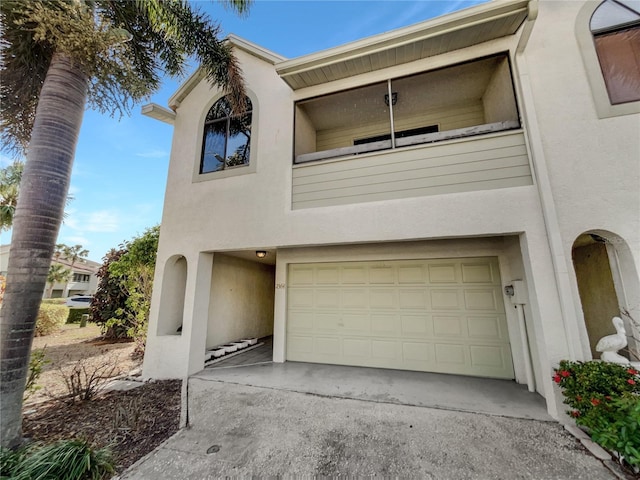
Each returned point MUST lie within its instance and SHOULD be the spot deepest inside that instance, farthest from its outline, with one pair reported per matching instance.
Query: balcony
(450, 130)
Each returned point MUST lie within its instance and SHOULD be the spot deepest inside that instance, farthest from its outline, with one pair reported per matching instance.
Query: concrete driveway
(246, 430)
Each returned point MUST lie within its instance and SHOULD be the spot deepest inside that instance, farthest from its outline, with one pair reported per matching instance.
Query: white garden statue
(608, 346)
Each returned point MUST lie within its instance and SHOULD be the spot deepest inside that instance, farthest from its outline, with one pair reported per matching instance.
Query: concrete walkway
(296, 419)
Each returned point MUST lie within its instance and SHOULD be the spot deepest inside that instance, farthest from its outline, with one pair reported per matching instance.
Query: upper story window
(615, 26)
(471, 98)
(227, 138)
(80, 277)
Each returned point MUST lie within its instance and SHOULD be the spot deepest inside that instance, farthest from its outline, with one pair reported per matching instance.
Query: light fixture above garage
(261, 253)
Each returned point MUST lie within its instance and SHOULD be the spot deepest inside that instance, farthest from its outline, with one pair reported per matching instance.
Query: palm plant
(71, 254)
(57, 274)
(9, 187)
(57, 57)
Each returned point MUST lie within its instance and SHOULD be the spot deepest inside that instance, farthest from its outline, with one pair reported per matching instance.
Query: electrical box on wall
(520, 296)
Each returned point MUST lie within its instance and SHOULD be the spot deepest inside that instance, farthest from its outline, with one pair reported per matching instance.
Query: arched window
(227, 137)
(615, 26)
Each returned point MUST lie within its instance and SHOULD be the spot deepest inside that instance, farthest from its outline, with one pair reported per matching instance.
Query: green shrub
(63, 460)
(619, 431)
(605, 399)
(9, 461)
(36, 364)
(51, 318)
(75, 314)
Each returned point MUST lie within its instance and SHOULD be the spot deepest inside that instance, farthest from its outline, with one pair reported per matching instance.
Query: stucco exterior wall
(597, 292)
(586, 172)
(241, 300)
(593, 163)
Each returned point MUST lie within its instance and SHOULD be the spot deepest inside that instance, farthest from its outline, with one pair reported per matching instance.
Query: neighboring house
(83, 279)
(398, 184)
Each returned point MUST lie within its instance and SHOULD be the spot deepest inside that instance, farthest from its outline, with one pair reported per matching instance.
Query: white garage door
(444, 315)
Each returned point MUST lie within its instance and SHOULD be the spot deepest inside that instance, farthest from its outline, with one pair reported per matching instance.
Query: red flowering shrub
(605, 398)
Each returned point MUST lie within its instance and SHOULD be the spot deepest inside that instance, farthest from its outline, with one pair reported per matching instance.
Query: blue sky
(120, 170)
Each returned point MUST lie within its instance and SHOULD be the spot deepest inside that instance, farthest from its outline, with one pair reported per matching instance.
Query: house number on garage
(280, 285)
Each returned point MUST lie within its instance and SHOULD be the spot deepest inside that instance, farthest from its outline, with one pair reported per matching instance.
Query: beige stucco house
(83, 279)
(398, 184)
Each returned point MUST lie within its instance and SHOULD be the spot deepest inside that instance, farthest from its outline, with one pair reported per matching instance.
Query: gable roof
(245, 45)
(471, 26)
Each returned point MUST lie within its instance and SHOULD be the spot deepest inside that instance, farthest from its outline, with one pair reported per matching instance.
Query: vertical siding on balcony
(476, 163)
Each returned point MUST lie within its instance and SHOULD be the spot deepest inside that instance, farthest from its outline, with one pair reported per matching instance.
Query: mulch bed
(132, 423)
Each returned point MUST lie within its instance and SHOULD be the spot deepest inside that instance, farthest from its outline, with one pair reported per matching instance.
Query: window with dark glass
(615, 26)
(227, 137)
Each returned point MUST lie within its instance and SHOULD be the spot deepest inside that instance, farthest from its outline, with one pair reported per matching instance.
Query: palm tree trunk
(43, 192)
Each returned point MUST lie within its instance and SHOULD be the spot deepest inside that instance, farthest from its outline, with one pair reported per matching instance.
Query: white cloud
(76, 240)
(98, 221)
(101, 221)
(153, 154)
(71, 219)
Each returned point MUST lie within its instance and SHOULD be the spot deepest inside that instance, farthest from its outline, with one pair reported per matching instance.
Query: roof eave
(257, 51)
(445, 24)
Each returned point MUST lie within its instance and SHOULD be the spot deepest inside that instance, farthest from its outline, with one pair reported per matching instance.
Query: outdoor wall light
(394, 98)
(261, 253)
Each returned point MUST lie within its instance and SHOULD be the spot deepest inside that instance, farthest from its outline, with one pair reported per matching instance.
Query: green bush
(51, 318)
(63, 460)
(36, 363)
(75, 314)
(605, 399)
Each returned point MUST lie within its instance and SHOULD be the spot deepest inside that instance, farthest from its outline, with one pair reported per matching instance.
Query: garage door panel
(447, 354)
(300, 298)
(356, 323)
(386, 350)
(327, 298)
(449, 325)
(328, 346)
(412, 299)
(486, 327)
(487, 356)
(300, 275)
(446, 273)
(327, 276)
(411, 274)
(327, 322)
(382, 275)
(356, 349)
(386, 325)
(383, 298)
(477, 273)
(444, 315)
(446, 299)
(417, 326)
(422, 352)
(355, 298)
(301, 321)
(354, 275)
(299, 346)
(481, 299)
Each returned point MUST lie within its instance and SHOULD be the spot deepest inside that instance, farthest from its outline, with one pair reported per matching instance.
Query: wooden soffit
(472, 26)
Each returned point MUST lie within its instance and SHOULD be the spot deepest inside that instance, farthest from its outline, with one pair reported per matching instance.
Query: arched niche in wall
(608, 285)
(174, 282)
